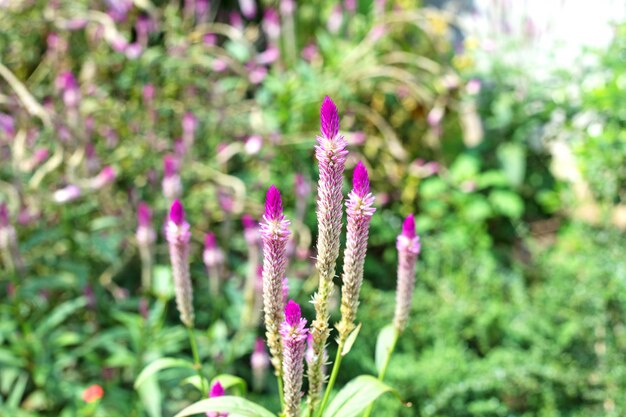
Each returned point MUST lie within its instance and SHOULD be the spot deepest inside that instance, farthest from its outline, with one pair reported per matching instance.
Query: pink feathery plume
(360, 211)
(178, 235)
(274, 233)
(408, 245)
(294, 333)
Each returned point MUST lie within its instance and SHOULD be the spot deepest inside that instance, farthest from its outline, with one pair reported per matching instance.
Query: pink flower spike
(273, 204)
(144, 215)
(170, 166)
(210, 242)
(329, 118)
(177, 213)
(4, 215)
(360, 180)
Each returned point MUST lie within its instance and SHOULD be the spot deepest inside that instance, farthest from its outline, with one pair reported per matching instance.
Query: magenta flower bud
(202, 10)
(408, 245)
(302, 187)
(40, 156)
(294, 333)
(269, 56)
(235, 20)
(216, 391)
(212, 254)
(329, 119)
(274, 233)
(144, 215)
(133, 50)
(178, 235)
(67, 194)
(310, 52)
(256, 73)
(360, 211)
(209, 39)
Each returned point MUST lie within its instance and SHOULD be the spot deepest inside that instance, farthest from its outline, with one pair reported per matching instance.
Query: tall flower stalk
(359, 209)
(409, 246)
(294, 334)
(178, 235)
(331, 156)
(146, 236)
(274, 233)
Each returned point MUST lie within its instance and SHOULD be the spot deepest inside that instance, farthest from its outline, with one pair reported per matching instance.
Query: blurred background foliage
(517, 178)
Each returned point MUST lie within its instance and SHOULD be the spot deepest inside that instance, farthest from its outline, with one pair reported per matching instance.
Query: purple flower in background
(310, 52)
(216, 391)
(178, 235)
(248, 8)
(209, 39)
(104, 178)
(202, 10)
(212, 255)
(360, 211)
(172, 186)
(287, 7)
(148, 93)
(145, 234)
(302, 187)
(7, 125)
(235, 20)
(66, 194)
(293, 333)
(256, 73)
(274, 233)
(190, 124)
(335, 20)
(269, 56)
(408, 245)
(219, 65)
(118, 9)
(68, 86)
(473, 86)
(250, 230)
(271, 24)
(350, 5)
(259, 362)
(133, 50)
(4, 215)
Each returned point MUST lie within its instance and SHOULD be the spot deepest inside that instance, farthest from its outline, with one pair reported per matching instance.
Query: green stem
(196, 360)
(281, 394)
(333, 377)
(383, 370)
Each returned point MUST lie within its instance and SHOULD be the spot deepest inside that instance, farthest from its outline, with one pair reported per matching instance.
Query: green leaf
(235, 406)
(350, 340)
(512, 158)
(356, 396)
(150, 395)
(230, 381)
(59, 315)
(159, 365)
(384, 345)
(507, 203)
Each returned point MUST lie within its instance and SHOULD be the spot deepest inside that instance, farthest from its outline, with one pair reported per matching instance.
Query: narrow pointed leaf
(159, 365)
(384, 344)
(356, 396)
(350, 340)
(234, 406)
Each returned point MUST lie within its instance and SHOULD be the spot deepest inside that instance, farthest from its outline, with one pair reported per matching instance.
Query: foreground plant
(285, 328)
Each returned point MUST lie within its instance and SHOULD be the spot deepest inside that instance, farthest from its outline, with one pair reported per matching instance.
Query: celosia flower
(293, 333)
(250, 230)
(172, 186)
(190, 123)
(269, 56)
(271, 24)
(212, 255)
(216, 391)
(287, 7)
(331, 156)
(145, 234)
(335, 20)
(360, 211)
(178, 235)
(7, 125)
(67, 194)
(248, 8)
(68, 86)
(259, 362)
(274, 233)
(92, 393)
(105, 177)
(408, 245)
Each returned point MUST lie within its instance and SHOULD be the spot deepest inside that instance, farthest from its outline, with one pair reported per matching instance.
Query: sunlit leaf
(234, 406)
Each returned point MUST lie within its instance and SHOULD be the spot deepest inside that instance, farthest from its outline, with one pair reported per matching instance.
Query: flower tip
(210, 242)
(360, 180)
(259, 345)
(273, 204)
(216, 390)
(292, 313)
(408, 227)
(144, 215)
(177, 213)
(329, 118)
